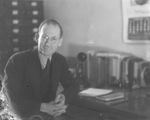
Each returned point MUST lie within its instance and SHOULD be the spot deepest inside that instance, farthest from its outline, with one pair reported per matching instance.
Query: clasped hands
(55, 107)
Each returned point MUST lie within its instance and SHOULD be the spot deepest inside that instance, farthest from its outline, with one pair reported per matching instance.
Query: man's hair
(53, 22)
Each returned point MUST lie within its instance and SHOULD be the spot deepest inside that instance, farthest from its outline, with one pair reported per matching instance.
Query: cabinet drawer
(34, 4)
(34, 14)
(13, 23)
(14, 13)
(13, 4)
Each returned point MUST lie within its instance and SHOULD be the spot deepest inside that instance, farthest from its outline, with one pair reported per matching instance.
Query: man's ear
(36, 37)
(60, 42)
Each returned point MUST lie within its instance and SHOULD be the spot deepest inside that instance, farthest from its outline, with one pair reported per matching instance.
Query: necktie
(47, 68)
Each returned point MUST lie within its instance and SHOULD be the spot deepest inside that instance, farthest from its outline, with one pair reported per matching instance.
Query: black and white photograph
(74, 59)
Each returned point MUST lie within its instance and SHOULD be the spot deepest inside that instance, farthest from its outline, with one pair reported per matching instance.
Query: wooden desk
(135, 106)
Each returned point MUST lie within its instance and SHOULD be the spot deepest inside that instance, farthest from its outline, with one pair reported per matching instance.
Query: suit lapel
(35, 71)
(55, 69)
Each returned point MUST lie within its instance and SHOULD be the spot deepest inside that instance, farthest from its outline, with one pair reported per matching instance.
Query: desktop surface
(134, 106)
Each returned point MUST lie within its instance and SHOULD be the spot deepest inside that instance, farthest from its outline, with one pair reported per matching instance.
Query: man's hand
(60, 103)
(59, 100)
(60, 111)
(56, 107)
(49, 108)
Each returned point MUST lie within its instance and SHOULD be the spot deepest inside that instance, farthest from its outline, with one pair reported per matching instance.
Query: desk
(135, 106)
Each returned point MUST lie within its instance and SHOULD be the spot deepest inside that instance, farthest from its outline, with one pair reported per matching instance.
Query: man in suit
(32, 77)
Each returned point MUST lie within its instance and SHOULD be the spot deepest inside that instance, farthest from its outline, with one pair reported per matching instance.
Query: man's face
(49, 39)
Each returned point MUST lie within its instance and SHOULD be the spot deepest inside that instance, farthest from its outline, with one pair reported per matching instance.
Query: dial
(146, 75)
(141, 2)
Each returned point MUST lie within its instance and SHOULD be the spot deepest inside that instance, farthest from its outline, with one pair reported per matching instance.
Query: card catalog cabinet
(19, 21)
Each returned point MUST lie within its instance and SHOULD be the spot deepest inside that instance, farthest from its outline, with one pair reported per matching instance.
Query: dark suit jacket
(22, 79)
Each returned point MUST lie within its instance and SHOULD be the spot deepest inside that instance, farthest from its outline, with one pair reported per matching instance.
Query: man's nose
(48, 42)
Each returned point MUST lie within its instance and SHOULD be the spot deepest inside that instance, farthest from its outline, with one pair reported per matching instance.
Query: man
(31, 84)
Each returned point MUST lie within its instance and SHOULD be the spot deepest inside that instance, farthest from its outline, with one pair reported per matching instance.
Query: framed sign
(136, 21)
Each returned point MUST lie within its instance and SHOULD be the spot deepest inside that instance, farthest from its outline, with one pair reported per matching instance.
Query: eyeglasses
(52, 39)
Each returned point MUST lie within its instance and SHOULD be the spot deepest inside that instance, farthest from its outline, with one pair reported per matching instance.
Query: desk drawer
(79, 113)
(118, 116)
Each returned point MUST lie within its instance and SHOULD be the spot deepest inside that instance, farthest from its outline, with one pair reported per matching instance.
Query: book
(111, 102)
(93, 92)
(111, 96)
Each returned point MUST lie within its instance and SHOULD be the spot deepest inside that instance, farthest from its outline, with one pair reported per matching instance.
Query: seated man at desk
(32, 76)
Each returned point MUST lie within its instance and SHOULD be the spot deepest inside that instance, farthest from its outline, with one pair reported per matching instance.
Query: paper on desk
(93, 92)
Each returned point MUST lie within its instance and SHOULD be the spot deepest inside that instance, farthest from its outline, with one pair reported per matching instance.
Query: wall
(92, 24)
